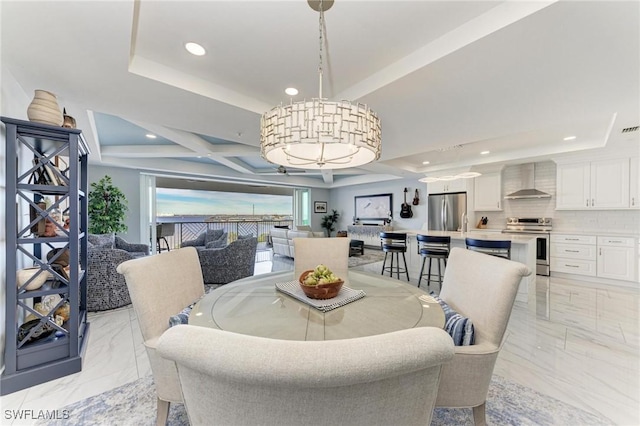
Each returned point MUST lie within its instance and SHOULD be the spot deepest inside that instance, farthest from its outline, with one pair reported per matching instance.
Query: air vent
(449, 148)
(630, 129)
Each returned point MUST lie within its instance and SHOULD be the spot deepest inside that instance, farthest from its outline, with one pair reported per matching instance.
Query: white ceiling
(448, 79)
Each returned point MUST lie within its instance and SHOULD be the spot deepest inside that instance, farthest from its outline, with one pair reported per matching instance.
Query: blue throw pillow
(459, 328)
(182, 317)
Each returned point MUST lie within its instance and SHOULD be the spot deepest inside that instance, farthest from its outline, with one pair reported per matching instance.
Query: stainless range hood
(528, 173)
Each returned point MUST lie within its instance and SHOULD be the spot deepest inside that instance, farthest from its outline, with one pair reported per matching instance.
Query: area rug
(369, 256)
(507, 404)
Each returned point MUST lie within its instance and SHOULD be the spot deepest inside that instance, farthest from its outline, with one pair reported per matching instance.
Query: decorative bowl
(319, 291)
(23, 275)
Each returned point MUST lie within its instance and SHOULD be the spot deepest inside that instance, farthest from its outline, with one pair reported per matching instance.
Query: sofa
(282, 239)
(106, 288)
(233, 262)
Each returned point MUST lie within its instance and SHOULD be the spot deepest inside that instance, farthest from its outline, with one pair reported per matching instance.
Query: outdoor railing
(184, 231)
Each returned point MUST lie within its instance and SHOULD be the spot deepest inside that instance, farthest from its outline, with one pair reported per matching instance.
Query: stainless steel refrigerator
(446, 210)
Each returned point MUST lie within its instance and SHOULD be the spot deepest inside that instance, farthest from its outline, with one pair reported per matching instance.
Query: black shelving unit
(29, 362)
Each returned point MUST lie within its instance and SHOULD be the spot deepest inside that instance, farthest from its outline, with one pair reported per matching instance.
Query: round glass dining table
(254, 307)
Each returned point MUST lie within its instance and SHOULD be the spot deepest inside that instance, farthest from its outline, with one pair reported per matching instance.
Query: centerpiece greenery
(328, 222)
(107, 207)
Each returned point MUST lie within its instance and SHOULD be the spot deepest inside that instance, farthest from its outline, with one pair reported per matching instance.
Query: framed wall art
(319, 206)
(373, 207)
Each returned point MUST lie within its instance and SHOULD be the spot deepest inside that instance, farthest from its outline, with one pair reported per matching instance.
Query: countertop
(515, 239)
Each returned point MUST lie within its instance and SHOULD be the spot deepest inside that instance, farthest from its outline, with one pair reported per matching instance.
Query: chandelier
(318, 133)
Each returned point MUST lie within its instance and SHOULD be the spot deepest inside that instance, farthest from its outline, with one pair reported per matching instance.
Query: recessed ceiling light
(569, 138)
(425, 162)
(151, 136)
(485, 152)
(291, 91)
(195, 49)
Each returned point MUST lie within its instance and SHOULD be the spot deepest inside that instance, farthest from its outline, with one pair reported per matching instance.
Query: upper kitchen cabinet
(487, 195)
(594, 185)
(444, 186)
(634, 183)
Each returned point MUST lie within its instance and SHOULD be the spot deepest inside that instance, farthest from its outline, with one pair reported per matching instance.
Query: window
(302, 207)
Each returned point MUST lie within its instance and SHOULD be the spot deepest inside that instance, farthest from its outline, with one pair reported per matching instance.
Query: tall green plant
(107, 207)
(329, 220)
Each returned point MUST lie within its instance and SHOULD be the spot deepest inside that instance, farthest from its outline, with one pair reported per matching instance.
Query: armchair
(230, 263)
(482, 288)
(106, 289)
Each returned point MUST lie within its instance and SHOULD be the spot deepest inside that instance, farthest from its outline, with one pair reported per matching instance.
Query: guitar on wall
(416, 199)
(405, 209)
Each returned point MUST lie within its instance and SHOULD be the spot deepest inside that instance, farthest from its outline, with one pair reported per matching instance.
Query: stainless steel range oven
(541, 228)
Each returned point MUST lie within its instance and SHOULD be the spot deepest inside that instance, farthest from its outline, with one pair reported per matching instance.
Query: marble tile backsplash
(616, 221)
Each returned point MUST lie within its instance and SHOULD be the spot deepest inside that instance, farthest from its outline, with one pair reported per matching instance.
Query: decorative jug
(44, 109)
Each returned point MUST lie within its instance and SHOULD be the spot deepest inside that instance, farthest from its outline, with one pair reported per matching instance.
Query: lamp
(318, 133)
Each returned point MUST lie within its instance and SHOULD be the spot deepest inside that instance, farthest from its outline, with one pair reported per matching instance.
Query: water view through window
(186, 205)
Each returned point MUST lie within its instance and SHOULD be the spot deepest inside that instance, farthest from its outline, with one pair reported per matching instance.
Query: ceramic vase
(44, 109)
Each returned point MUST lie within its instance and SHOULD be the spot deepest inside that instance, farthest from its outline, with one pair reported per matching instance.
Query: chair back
(235, 379)
(165, 230)
(161, 286)
(482, 288)
(331, 252)
(393, 241)
(494, 248)
(430, 243)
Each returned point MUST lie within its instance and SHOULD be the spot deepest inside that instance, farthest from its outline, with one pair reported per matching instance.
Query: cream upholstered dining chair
(161, 286)
(235, 379)
(331, 252)
(483, 288)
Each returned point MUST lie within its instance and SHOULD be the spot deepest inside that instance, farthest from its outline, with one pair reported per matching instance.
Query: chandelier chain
(321, 30)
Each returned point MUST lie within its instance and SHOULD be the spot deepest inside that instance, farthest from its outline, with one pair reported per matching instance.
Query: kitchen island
(523, 250)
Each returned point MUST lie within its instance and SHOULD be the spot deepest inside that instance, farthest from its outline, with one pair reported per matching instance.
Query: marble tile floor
(574, 340)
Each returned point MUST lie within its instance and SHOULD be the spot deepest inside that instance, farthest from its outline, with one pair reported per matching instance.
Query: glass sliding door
(302, 207)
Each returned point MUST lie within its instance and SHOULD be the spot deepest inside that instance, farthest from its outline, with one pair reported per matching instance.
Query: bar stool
(396, 244)
(433, 248)
(499, 248)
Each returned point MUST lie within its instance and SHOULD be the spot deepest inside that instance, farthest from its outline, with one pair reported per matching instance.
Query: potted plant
(107, 207)
(328, 221)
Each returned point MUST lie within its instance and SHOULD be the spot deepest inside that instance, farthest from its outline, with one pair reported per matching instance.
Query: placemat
(346, 295)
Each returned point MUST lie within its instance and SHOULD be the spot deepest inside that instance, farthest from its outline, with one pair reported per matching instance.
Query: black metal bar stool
(433, 248)
(499, 248)
(396, 244)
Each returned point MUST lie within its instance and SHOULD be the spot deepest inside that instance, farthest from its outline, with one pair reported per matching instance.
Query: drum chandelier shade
(318, 133)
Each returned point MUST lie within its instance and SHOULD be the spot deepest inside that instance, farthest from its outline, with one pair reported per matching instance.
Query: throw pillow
(459, 328)
(182, 317)
(195, 243)
(214, 235)
(102, 240)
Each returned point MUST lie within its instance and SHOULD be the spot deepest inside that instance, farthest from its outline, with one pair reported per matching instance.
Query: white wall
(342, 199)
(13, 103)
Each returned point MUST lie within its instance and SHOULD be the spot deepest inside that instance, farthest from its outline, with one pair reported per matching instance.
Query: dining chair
(394, 243)
(331, 252)
(483, 289)
(432, 247)
(500, 248)
(161, 286)
(236, 379)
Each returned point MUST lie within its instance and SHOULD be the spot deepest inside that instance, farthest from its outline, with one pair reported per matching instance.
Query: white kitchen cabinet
(634, 183)
(573, 254)
(602, 184)
(616, 258)
(446, 186)
(487, 195)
